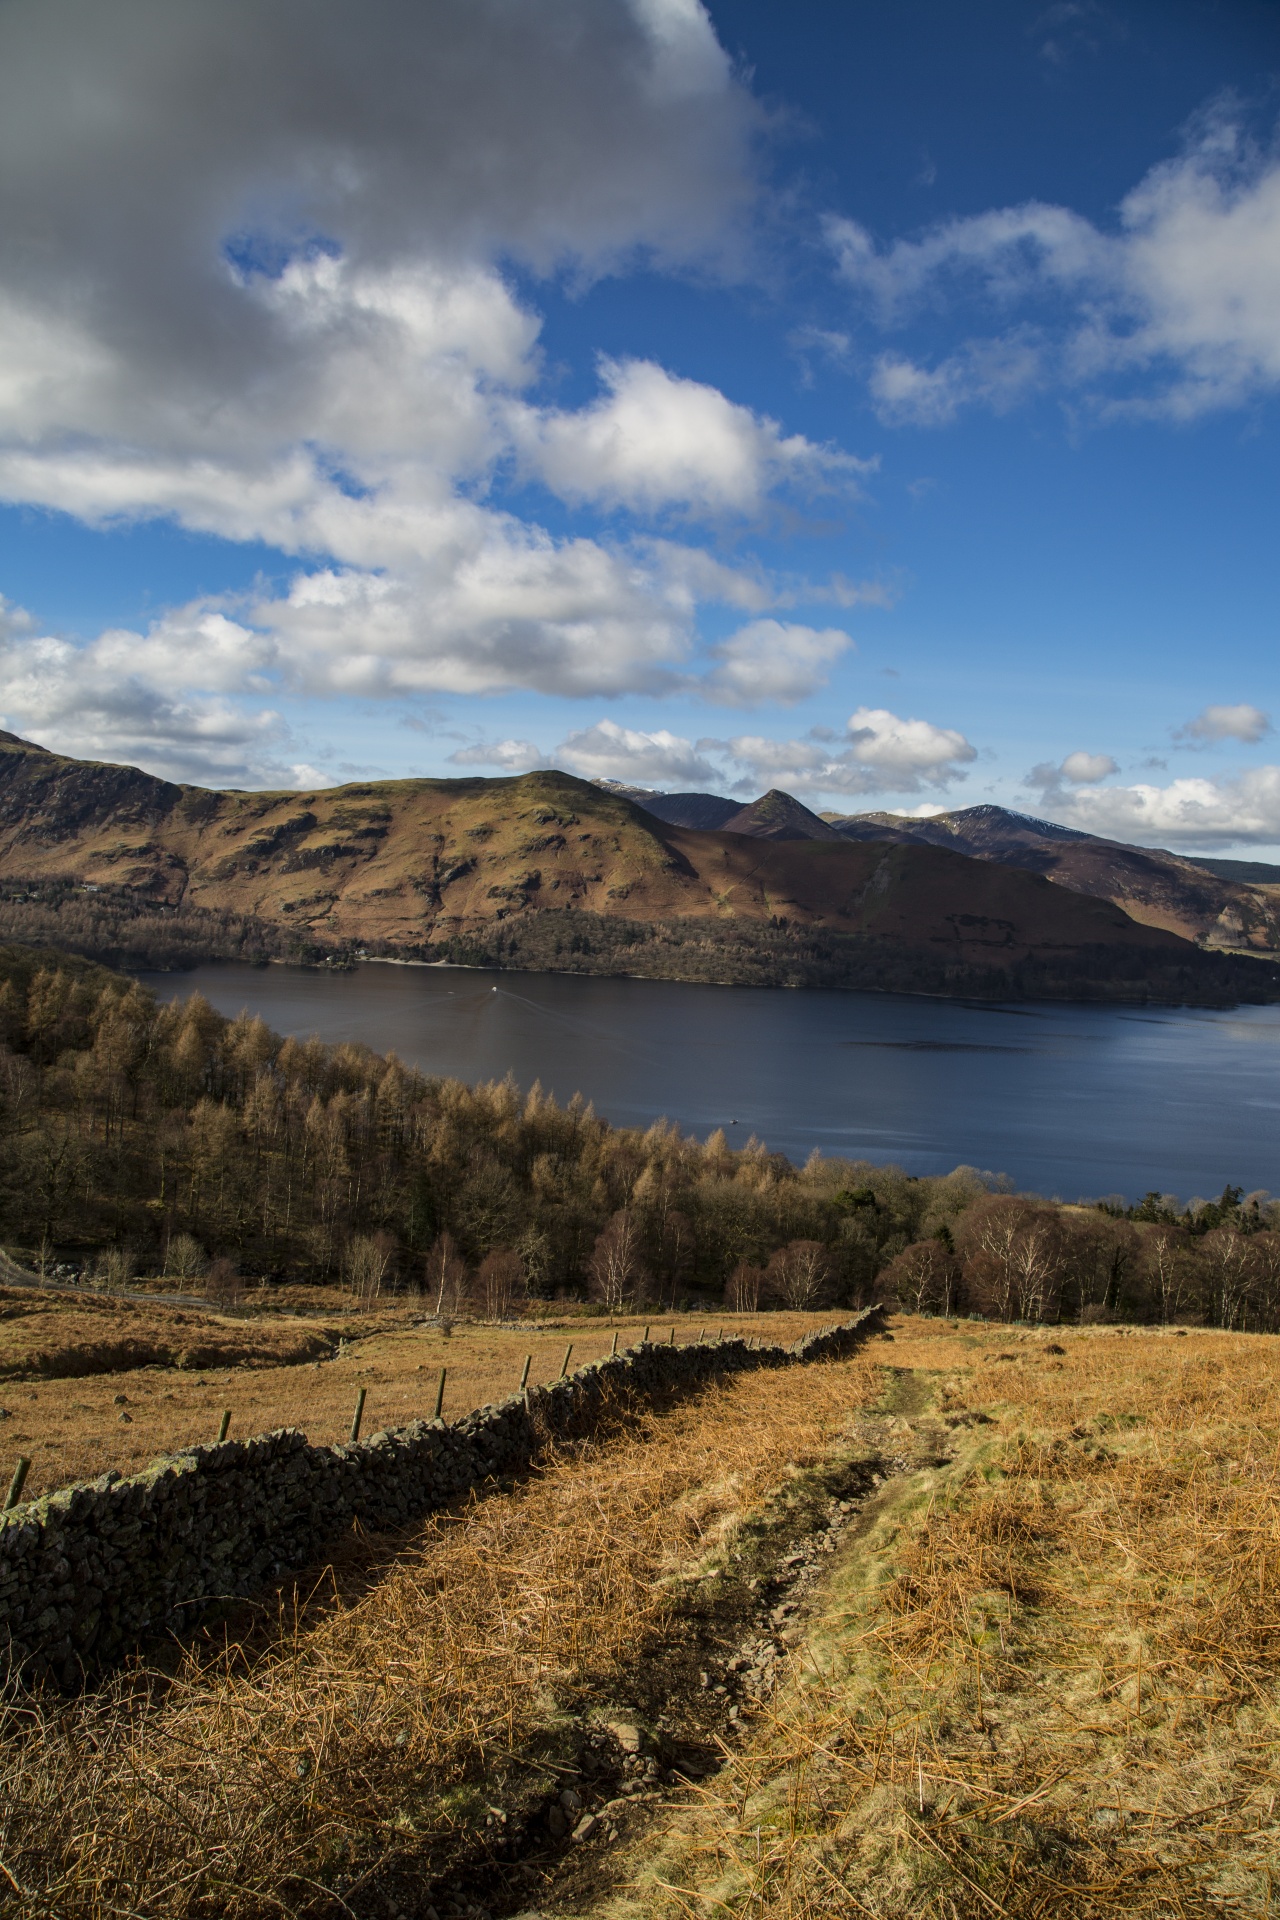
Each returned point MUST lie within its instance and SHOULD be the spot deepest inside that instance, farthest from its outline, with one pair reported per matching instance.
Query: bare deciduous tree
(499, 1283)
(446, 1276)
(1229, 1267)
(923, 1278)
(742, 1291)
(1013, 1257)
(799, 1274)
(1170, 1270)
(367, 1263)
(617, 1272)
(186, 1258)
(223, 1283)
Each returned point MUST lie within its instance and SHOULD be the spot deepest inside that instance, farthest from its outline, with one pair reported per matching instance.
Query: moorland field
(983, 1620)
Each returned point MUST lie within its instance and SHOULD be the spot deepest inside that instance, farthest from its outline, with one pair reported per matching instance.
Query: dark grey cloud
(141, 139)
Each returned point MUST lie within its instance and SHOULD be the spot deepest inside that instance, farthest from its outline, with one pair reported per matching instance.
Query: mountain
(705, 811)
(547, 870)
(1217, 903)
(1254, 873)
(777, 816)
(774, 816)
(1199, 900)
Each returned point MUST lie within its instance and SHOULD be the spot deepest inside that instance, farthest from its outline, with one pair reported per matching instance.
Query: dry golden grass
(51, 1335)
(362, 1730)
(1042, 1682)
(72, 1430)
(1046, 1684)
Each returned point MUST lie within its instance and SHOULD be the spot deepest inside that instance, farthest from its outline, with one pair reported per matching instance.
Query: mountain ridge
(543, 863)
(1229, 905)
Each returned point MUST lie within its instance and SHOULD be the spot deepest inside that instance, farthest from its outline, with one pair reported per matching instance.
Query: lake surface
(1067, 1100)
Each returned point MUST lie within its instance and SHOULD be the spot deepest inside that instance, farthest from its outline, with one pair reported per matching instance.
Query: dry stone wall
(91, 1572)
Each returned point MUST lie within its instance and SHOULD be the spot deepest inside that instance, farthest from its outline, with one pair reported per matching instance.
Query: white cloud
(772, 661)
(486, 604)
(1191, 815)
(1077, 770)
(1086, 769)
(1173, 312)
(431, 589)
(914, 748)
(85, 702)
(513, 756)
(886, 754)
(1247, 724)
(994, 373)
(1006, 253)
(654, 441)
(607, 751)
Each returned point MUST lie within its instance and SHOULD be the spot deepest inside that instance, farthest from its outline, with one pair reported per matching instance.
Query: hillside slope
(1232, 905)
(414, 867)
(1198, 901)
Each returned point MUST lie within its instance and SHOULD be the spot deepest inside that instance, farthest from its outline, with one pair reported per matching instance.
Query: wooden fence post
(524, 1377)
(17, 1483)
(614, 1348)
(440, 1393)
(358, 1415)
(564, 1364)
(224, 1425)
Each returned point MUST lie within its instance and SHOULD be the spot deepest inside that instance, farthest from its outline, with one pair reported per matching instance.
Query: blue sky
(878, 401)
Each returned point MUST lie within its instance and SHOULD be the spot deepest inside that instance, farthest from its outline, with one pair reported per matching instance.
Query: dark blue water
(1067, 1100)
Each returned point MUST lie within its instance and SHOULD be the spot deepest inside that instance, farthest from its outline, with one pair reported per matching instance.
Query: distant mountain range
(1229, 904)
(548, 871)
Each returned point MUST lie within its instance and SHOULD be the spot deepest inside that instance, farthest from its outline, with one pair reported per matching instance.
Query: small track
(722, 1652)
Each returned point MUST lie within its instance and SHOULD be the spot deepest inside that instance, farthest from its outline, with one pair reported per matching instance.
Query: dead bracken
(934, 1639)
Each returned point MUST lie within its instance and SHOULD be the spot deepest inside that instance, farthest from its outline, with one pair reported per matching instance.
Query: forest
(130, 929)
(137, 1138)
(123, 927)
(778, 954)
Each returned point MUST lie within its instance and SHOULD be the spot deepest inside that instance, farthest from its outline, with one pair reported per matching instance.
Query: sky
(876, 399)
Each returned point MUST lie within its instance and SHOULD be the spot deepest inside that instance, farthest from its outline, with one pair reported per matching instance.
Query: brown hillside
(406, 862)
(1153, 886)
(543, 871)
(915, 895)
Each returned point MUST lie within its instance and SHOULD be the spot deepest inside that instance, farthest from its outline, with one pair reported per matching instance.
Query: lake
(1066, 1100)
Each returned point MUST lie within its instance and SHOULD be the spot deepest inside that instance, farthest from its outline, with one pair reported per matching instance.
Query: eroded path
(644, 1746)
(1039, 1674)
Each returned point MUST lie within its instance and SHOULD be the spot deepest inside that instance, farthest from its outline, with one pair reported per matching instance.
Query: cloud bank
(880, 753)
(1172, 313)
(1189, 815)
(257, 277)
